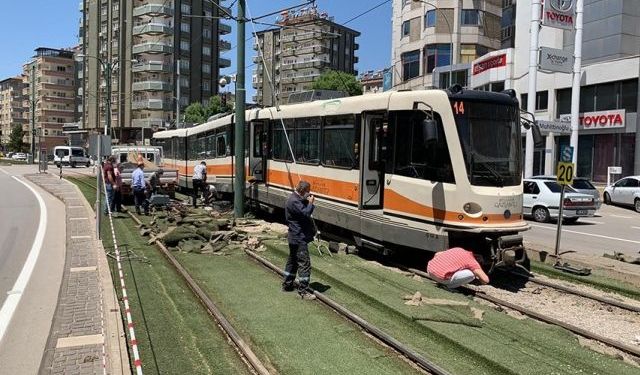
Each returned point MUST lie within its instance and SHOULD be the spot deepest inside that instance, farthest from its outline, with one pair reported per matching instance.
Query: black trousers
(300, 263)
(116, 204)
(140, 200)
(199, 187)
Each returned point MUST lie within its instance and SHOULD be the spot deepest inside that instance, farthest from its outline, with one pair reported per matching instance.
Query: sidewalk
(87, 335)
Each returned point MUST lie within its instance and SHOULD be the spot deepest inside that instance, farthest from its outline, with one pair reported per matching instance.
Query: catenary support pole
(239, 180)
(107, 74)
(98, 175)
(575, 88)
(177, 94)
(33, 112)
(533, 73)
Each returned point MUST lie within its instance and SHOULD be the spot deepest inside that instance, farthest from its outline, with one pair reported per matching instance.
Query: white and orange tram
(426, 169)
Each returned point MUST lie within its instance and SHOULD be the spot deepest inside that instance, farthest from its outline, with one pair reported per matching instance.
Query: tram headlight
(472, 209)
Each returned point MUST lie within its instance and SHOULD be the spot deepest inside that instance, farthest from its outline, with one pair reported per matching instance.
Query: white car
(72, 156)
(625, 191)
(19, 156)
(541, 201)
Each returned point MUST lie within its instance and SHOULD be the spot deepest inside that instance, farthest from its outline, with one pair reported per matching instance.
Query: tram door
(257, 150)
(371, 162)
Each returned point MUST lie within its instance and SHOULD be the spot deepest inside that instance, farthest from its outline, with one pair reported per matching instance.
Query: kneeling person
(456, 267)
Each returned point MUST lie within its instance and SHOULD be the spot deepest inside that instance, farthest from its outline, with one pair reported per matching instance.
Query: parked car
(9, 154)
(541, 201)
(625, 191)
(72, 156)
(580, 185)
(19, 156)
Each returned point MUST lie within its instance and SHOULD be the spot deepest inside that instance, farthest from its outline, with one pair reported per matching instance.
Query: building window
(185, 27)
(184, 45)
(186, 8)
(467, 53)
(206, 86)
(470, 17)
(206, 51)
(60, 68)
(542, 101)
(430, 18)
(184, 82)
(184, 64)
(206, 68)
(206, 33)
(601, 97)
(410, 64)
(406, 28)
(436, 55)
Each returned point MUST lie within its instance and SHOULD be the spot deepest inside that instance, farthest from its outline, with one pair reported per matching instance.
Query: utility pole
(33, 112)
(178, 94)
(575, 89)
(107, 74)
(536, 8)
(239, 180)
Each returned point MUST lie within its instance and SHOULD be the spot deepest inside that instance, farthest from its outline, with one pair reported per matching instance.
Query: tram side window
(211, 145)
(192, 148)
(221, 145)
(418, 155)
(181, 151)
(338, 147)
(307, 140)
(279, 146)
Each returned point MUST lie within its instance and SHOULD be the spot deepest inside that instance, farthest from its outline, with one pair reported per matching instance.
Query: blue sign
(387, 79)
(566, 154)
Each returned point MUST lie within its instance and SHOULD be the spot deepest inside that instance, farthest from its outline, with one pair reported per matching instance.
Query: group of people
(112, 175)
(451, 268)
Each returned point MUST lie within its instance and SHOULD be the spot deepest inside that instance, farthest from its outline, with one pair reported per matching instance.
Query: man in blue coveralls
(298, 212)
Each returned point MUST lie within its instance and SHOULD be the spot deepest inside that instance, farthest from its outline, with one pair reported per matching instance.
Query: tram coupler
(507, 252)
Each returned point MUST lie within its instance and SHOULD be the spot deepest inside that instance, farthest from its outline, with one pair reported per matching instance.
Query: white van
(72, 156)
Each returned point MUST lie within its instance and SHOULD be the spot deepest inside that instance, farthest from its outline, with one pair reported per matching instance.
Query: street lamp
(450, 33)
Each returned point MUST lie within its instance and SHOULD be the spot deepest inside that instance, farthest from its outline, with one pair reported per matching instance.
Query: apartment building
(155, 49)
(11, 110)
(49, 81)
(305, 44)
(434, 40)
(371, 81)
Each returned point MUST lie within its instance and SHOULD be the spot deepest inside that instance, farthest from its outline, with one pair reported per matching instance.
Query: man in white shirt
(199, 181)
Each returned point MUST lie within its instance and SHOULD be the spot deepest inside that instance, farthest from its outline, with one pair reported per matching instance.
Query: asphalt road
(612, 229)
(32, 252)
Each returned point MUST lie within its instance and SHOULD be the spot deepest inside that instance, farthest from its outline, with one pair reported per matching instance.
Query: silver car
(625, 191)
(541, 201)
(580, 185)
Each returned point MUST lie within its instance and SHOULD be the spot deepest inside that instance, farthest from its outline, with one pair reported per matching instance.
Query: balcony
(305, 65)
(302, 36)
(225, 11)
(151, 104)
(148, 123)
(356, 46)
(224, 45)
(151, 86)
(318, 48)
(153, 29)
(223, 28)
(153, 10)
(151, 66)
(299, 79)
(224, 63)
(151, 47)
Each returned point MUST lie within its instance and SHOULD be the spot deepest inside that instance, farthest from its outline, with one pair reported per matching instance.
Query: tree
(15, 139)
(195, 113)
(216, 106)
(337, 80)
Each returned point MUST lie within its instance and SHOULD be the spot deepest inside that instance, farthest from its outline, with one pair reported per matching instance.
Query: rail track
(545, 318)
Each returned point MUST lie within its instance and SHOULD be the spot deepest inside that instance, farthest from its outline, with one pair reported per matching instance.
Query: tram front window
(491, 142)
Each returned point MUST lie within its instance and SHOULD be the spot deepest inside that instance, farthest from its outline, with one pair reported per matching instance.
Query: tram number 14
(458, 108)
(565, 173)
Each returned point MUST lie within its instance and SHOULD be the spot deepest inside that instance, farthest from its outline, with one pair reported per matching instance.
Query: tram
(423, 170)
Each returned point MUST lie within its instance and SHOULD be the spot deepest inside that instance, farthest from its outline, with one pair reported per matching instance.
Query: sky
(28, 24)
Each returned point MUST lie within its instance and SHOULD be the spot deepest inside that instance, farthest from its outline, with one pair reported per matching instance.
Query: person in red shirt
(456, 267)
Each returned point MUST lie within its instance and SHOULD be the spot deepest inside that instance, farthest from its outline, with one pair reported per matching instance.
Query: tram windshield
(491, 141)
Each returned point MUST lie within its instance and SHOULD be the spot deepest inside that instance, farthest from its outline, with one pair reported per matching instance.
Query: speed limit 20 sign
(565, 173)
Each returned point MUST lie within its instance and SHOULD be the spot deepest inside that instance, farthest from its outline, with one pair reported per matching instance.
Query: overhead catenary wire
(365, 12)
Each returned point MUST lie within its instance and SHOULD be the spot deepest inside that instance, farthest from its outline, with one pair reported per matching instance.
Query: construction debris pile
(208, 231)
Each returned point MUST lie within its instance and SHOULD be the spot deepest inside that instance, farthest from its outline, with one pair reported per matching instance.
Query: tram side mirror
(538, 139)
(429, 131)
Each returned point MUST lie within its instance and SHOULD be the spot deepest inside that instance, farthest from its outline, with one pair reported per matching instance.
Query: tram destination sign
(560, 14)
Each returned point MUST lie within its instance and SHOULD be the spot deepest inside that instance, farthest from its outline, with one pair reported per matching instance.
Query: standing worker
(298, 212)
(154, 181)
(138, 185)
(199, 181)
(456, 267)
(109, 182)
(116, 206)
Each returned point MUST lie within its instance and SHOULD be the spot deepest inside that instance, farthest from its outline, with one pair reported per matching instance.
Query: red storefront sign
(490, 63)
(599, 120)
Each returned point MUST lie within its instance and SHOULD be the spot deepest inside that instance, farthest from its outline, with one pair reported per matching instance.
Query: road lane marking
(635, 227)
(591, 221)
(621, 216)
(78, 218)
(586, 234)
(79, 237)
(14, 296)
(5, 172)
